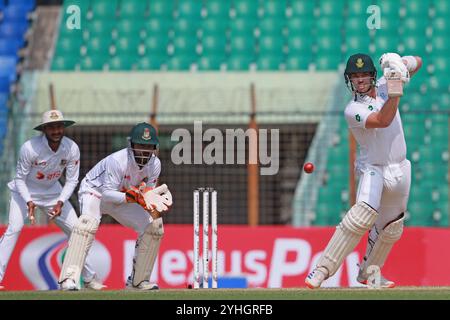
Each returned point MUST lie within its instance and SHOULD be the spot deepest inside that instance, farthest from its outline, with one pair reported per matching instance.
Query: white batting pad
(80, 242)
(147, 247)
(356, 222)
(383, 245)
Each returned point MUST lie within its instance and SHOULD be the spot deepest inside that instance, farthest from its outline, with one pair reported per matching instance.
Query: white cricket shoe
(94, 284)
(144, 285)
(315, 278)
(384, 283)
(69, 285)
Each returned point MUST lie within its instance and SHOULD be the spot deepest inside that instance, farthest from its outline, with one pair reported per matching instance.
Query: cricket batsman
(41, 163)
(384, 172)
(122, 185)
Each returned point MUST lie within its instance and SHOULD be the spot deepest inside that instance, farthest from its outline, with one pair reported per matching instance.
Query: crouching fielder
(123, 186)
(384, 172)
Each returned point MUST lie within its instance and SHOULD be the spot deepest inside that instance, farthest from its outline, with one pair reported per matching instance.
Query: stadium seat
(186, 26)
(210, 62)
(104, 9)
(330, 62)
(390, 9)
(10, 46)
(359, 8)
(101, 27)
(180, 62)
(271, 26)
(14, 30)
(299, 44)
(417, 8)
(357, 44)
(440, 26)
(66, 62)
(214, 26)
(242, 45)
(219, 9)
(98, 45)
(128, 46)
(245, 9)
(151, 62)
(185, 45)
(269, 62)
(243, 26)
(274, 9)
(129, 27)
(93, 63)
(162, 8)
(331, 8)
(298, 62)
(69, 46)
(214, 45)
(300, 26)
(273, 45)
(239, 62)
(157, 26)
(133, 9)
(124, 62)
(156, 44)
(190, 8)
(302, 8)
(442, 8)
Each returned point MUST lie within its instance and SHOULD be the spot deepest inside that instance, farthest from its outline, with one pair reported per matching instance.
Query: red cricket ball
(308, 167)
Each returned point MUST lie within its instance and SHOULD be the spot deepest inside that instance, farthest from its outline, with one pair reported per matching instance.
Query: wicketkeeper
(122, 185)
(384, 172)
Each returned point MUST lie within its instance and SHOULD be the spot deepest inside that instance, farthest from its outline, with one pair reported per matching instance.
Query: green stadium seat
(185, 45)
(413, 45)
(69, 45)
(384, 44)
(65, 62)
(98, 45)
(239, 62)
(300, 26)
(151, 62)
(160, 26)
(186, 26)
(156, 45)
(417, 8)
(298, 62)
(104, 9)
(390, 9)
(271, 26)
(242, 45)
(92, 63)
(415, 25)
(214, 26)
(440, 26)
(357, 44)
(271, 44)
(245, 9)
(180, 63)
(329, 25)
(124, 62)
(213, 62)
(299, 44)
(330, 62)
(162, 8)
(359, 8)
(214, 44)
(442, 8)
(440, 45)
(128, 46)
(190, 8)
(218, 8)
(356, 25)
(243, 26)
(302, 8)
(269, 62)
(130, 27)
(275, 9)
(103, 27)
(133, 9)
(331, 8)
(329, 43)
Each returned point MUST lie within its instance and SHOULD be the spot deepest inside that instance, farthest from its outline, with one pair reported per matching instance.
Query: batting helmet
(357, 63)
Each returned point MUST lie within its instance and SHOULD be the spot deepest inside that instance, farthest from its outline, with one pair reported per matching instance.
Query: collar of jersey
(364, 98)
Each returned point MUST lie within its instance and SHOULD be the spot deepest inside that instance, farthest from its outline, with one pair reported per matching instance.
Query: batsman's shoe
(69, 285)
(384, 283)
(94, 284)
(315, 278)
(144, 285)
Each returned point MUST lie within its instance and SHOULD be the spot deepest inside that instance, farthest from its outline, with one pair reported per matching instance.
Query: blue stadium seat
(10, 46)
(8, 67)
(13, 29)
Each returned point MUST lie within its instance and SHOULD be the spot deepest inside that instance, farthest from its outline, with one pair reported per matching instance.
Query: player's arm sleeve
(154, 174)
(356, 117)
(113, 178)
(23, 169)
(72, 174)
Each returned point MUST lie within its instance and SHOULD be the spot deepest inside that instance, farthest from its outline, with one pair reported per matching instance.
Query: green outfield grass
(400, 293)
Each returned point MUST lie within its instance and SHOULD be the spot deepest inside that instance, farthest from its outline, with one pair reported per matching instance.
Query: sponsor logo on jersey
(63, 162)
(42, 163)
(41, 260)
(40, 175)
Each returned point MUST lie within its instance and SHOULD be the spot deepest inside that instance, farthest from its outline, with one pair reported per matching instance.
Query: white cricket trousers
(385, 189)
(18, 212)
